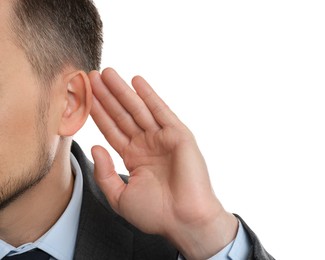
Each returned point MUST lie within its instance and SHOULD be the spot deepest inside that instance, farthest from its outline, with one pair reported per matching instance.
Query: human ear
(78, 103)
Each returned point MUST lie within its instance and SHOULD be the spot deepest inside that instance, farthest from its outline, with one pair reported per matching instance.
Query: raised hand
(169, 191)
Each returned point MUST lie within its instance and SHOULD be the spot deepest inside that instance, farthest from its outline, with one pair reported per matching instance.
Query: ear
(78, 103)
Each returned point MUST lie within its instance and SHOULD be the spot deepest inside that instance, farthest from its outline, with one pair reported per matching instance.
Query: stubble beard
(14, 188)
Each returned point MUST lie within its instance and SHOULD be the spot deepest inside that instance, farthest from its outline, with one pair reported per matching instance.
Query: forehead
(5, 39)
(4, 33)
(5, 8)
(12, 57)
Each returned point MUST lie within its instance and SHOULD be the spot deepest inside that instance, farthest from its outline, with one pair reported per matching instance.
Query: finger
(161, 112)
(112, 106)
(115, 137)
(106, 177)
(129, 100)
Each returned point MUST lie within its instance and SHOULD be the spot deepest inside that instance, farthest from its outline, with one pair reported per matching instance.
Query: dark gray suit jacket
(103, 234)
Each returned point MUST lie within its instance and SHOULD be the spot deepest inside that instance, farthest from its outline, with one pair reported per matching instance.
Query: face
(24, 154)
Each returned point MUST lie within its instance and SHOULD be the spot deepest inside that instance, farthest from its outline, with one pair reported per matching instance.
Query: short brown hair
(56, 33)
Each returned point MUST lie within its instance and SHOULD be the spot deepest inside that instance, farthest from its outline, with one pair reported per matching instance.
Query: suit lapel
(100, 235)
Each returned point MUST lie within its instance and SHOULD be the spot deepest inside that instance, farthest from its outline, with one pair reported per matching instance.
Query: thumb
(106, 177)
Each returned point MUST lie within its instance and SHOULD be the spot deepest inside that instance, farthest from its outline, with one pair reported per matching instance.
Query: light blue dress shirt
(59, 241)
(238, 249)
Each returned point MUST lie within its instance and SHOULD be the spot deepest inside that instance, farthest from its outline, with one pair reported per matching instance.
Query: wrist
(207, 237)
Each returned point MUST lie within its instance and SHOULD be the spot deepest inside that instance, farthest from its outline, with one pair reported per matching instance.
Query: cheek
(18, 134)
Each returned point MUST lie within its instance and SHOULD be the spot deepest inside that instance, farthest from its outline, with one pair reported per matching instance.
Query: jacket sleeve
(257, 251)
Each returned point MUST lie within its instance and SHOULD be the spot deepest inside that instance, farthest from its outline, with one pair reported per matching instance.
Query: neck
(37, 210)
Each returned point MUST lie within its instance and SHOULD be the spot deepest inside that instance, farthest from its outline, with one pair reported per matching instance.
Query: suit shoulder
(99, 222)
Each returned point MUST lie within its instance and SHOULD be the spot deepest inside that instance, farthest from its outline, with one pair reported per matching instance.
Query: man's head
(54, 33)
(46, 49)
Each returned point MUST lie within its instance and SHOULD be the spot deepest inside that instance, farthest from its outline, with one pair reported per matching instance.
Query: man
(50, 207)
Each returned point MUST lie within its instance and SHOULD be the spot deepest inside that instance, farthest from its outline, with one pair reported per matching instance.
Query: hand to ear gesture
(169, 191)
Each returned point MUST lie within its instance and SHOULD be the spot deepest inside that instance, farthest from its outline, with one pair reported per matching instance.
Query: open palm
(169, 187)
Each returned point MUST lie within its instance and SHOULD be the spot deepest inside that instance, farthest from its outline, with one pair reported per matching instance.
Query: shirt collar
(59, 241)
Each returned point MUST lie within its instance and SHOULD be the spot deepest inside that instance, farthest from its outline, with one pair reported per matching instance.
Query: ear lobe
(78, 103)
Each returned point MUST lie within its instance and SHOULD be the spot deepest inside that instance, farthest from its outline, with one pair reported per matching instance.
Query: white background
(248, 79)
